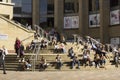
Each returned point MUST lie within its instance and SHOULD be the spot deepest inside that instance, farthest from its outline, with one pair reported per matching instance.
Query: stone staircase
(12, 62)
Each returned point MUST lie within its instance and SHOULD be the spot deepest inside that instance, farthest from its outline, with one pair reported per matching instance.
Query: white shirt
(4, 53)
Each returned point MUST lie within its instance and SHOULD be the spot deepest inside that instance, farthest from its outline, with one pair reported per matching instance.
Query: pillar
(9, 1)
(59, 15)
(35, 12)
(83, 17)
(104, 20)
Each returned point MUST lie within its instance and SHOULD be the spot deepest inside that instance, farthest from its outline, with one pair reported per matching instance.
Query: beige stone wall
(6, 9)
(10, 31)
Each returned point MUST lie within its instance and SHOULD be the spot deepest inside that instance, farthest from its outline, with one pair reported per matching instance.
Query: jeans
(59, 64)
(3, 63)
(75, 62)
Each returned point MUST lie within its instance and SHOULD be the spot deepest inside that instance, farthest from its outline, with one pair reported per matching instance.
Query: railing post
(75, 37)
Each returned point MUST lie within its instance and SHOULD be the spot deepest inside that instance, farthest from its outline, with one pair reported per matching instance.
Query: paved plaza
(113, 74)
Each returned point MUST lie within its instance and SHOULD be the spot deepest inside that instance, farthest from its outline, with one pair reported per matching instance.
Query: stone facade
(104, 32)
(9, 31)
(6, 9)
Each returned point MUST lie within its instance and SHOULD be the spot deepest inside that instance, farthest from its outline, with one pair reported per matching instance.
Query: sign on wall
(3, 36)
(115, 17)
(115, 40)
(71, 22)
(94, 20)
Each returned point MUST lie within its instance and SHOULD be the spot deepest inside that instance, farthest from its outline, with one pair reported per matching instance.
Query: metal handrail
(27, 38)
(34, 56)
(42, 32)
(19, 24)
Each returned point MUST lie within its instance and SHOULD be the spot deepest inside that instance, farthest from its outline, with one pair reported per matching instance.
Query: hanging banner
(115, 17)
(94, 20)
(71, 22)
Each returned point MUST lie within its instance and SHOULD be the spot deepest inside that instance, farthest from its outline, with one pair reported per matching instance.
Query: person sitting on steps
(43, 64)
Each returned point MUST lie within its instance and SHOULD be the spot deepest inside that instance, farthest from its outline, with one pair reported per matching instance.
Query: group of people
(101, 53)
(74, 58)
(59, 48)
(24, 63)
(19, 50)
(44, 64)
(99, 59)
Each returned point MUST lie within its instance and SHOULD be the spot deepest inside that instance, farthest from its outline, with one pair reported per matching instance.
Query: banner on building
(115, 17)
(71, 22)
(115, 40)
(94, 20)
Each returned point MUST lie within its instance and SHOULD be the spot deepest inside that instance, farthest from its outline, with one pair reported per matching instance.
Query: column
(104, 20)
(3, 0)
(9, 1)
(59, 15)
(83, 17)
(35, 12)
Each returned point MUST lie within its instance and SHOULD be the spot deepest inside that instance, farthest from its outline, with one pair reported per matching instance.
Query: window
(69, 7)
(50, 8)
(113, 3)
(94, 5)
(97, 5)
(50, 22)
(17, 10)
(90, 5)
(22, 7)
(26, 7)
(43, 10)
(23, 11)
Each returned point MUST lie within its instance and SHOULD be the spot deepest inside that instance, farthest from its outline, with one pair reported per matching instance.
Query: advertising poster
(115, 40)
(94, 20)
(71, 22)
(115, 17)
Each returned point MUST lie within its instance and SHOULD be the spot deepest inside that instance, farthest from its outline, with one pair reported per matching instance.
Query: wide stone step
(12, 62)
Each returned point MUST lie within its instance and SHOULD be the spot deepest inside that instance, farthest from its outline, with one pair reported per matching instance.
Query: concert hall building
(99, 19)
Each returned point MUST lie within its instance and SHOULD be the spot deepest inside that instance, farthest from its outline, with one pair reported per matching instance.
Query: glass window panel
(43, 10)
(113, 3)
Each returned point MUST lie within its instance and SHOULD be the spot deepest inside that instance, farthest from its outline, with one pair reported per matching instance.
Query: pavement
(112, 74)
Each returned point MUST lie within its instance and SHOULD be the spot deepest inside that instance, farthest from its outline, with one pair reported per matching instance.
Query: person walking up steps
(17, 47)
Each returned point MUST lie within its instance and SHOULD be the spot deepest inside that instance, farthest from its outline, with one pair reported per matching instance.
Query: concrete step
(12, 62)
